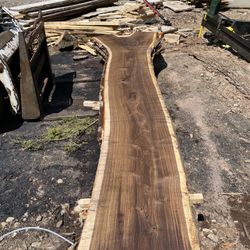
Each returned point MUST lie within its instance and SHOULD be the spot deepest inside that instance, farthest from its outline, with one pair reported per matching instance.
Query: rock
(65, 208)
(213, 221)
(36, 244)
(3, 224)
(26, 214)
(60, 181)
(10, 219)
(206, 231)
(59, 223)
(172, 38)
(16, 225)
(39, 218)
(213, 238)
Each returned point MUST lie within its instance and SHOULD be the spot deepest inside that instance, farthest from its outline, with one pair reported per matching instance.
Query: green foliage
(69, 130)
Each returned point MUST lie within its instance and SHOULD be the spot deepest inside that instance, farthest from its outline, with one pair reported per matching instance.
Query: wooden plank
(102, 11)
(84, 23)
(177, 6)
(140, 199)
(87, 48)
(77, 27)
(43, 5)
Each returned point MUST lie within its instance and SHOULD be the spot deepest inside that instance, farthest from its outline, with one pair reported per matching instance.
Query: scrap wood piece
(102, 11)
(196, 199)
(177, 6)
(95, 105)
(140, 198)
(87, 48)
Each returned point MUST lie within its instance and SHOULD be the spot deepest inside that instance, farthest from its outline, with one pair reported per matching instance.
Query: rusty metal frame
(27, 47)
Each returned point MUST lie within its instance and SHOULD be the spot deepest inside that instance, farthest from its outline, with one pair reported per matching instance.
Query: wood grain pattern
(140, 199)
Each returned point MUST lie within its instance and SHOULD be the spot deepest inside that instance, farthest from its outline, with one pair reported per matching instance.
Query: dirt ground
(207, 92)
(47, 166)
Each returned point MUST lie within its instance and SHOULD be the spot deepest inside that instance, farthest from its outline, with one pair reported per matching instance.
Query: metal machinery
(25, 70)
(234, 33)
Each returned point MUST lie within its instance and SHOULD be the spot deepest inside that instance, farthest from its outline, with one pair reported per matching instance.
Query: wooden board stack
(60, 9)
(109, 20)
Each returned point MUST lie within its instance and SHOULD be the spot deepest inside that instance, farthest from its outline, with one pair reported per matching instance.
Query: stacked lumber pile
(83, 27)
(60, 9)
(126, 13)
(109, 20)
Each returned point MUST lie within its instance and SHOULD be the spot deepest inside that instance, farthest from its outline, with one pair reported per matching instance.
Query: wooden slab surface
(140, 200)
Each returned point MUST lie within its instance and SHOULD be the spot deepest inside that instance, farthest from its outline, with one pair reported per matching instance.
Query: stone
(59, 223)
(16, 225)
(3, 224)
(36, 244)
(207, 231)
(26, 214)
(213, 238)
(39, 218)
(172, 38)
(60, 181)
(10, 219)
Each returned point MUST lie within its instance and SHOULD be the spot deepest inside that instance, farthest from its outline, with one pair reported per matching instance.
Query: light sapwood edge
(191, 228)
(88, 229)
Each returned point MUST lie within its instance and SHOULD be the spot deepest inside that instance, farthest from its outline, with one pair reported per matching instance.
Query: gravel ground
(206, 89)
(42, 179)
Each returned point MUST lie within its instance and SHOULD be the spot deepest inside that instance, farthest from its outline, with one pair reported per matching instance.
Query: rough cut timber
(44, 5)
(140, 199)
